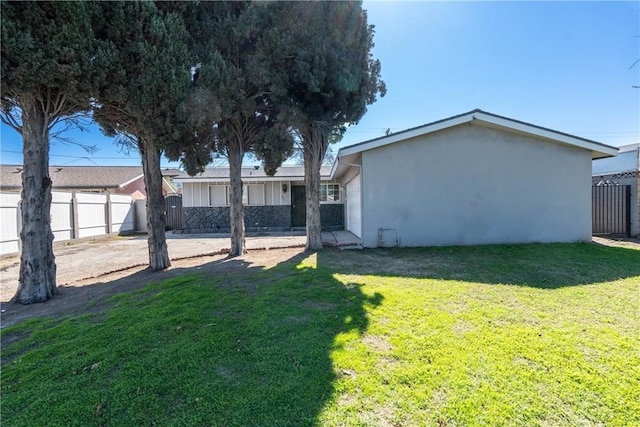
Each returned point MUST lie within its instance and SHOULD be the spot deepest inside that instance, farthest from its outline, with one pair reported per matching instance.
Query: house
(90, 179)
(476, 178)
(270, 203)
(623, 170)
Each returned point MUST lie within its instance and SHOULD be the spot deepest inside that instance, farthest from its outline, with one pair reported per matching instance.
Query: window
(217, 195)
(252, 194)
(329, 192)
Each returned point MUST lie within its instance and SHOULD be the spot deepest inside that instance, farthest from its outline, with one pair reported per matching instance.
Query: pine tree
(145, 95)
(330, 78)
(49, 74)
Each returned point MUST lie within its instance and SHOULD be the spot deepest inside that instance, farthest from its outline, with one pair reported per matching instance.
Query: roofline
(247, 179)
(168, 184)
(629, 147)
(86, 187)
(486, 119)
(281, 175)
(124, 184)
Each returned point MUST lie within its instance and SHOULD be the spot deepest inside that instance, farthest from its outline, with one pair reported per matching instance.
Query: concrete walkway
(341, 239)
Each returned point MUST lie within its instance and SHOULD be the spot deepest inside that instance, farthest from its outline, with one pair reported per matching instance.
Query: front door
(298, 206)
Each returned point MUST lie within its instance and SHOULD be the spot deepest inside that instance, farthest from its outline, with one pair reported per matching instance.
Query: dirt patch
(377, 343)
(94, 258)
(87, 296)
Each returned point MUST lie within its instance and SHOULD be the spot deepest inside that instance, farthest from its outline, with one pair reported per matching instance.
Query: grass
(493, 335)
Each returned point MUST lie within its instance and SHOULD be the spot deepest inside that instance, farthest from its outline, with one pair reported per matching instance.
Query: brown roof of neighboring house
(79, 176)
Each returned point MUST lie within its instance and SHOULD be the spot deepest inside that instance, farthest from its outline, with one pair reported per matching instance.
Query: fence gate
(611, 209)
(173, 208)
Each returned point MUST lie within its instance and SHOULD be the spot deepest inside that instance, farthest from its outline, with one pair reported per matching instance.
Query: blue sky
(561, 65)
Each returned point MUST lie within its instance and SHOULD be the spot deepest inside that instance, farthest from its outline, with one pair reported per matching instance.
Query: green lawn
(495, 335)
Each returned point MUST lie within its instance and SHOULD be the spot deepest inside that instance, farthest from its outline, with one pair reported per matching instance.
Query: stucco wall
(475, 185)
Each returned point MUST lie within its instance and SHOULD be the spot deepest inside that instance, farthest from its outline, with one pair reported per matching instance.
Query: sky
(566, 66)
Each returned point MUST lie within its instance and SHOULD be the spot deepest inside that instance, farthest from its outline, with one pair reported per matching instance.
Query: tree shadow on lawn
(548, 266)
(233, 345)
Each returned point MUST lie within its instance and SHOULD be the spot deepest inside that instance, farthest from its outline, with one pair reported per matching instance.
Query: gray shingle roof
(284, 172)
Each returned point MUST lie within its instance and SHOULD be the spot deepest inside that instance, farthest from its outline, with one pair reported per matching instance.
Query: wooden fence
(73, 216)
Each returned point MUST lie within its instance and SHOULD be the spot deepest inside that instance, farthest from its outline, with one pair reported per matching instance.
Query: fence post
(19, 224)
(627, 213)
(75, 227)
(109, 215)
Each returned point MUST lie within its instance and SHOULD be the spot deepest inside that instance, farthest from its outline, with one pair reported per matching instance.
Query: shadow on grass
(221, 344)
(536, 265)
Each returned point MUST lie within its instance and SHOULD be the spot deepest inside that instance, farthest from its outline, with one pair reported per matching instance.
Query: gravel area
(93, 258)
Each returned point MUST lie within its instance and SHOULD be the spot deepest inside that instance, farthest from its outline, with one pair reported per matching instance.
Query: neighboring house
(92, 179)
(270, 203)
(622, 170)
(475, 178)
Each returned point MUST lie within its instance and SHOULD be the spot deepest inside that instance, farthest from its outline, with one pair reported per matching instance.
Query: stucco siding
(471, 184)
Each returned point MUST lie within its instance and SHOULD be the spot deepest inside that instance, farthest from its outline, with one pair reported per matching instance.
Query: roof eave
(480, 117)
(598, 150)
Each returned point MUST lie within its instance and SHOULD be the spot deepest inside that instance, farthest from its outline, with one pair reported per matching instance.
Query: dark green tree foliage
(331, 77)
(145, 97)
(227, 37)
(195, 148)
(49, 74)
(273, 145)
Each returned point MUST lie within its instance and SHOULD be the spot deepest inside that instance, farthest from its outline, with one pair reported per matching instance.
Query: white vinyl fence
(73, 216)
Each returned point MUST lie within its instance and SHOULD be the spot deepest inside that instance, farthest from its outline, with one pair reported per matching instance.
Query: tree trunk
(156, 217)
(315, 146)
(235, 154)
(37, 282)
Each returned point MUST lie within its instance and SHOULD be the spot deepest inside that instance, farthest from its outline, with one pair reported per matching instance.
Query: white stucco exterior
(469, 183)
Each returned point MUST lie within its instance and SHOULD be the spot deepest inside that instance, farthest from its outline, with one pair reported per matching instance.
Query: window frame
(336, 191)
(246, 200)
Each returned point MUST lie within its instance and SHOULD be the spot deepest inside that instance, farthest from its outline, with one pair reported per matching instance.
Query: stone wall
(332, 216)
(256, 218)
(267, 218)
(205, 220)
